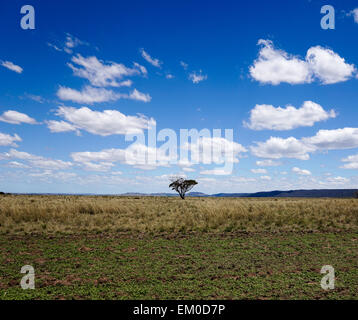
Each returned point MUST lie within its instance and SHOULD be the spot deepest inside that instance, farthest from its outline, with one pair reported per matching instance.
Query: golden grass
(23, 214)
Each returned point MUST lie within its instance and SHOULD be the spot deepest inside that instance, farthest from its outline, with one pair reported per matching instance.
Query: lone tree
(182, 186)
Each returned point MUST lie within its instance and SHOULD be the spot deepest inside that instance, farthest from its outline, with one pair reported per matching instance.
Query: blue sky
(90, 73)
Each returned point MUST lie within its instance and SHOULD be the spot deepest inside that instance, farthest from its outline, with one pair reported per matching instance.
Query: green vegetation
(165, 248)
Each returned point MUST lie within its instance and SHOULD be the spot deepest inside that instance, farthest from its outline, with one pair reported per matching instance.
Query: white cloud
(73, 42)
(19, 165)
(149, 158)
(354, 13)
(88, 95)
(15, 154)
(61, 126)
(101, 166)
(136, 155)
(51, 45)
(37, 161)
(11, 66)
(352, 162)
(9, 140)
(69, 44)
(139, 96)
(301, 172)
(155, 62)
(184, 65)
(274, 66)
(268, 163)
(100, 74)
(103, 123)
(337, 180)
(328, 66)
(216, 172)
(268, 117)
(141, 68)
(346, 138)
(15, 117)
(92, 95)
(276, 148)
(257, 171)
(51, 164)
(36, 98)
(217, 150)
(267, 178)
(197, 77)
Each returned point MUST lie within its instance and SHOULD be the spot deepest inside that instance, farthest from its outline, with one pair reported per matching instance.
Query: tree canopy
(182, 186)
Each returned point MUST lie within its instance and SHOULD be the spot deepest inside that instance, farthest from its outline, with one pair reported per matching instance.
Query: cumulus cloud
(88, 95)
(276, 148)
(61, 126)
(197, 77)
(217, 150)
(274, 66)
(9, 140)
(154, 62)
(268, 117)
(216, 172)
(18, 165)
(15, 117)
(268, 163)
(351, 162)
(139, 96)
(328, 66)
(136, 155)
(92, 95)
(11, 66)
(15, 154)
(301, 172)
(346, 138)
(107, 122)
(100, 74)
(37, 161)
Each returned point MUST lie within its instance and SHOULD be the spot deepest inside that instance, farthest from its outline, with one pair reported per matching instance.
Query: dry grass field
(20, 214)
(107, 247)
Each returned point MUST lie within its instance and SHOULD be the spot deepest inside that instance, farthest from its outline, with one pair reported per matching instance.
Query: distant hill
(316, 193)
(320, 193)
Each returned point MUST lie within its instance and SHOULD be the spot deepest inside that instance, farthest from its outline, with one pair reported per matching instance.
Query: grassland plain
(94, 247)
